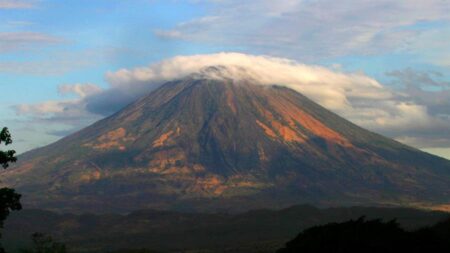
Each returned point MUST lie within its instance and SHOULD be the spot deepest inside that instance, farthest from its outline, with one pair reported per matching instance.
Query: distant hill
(219, 144)
(168, 231)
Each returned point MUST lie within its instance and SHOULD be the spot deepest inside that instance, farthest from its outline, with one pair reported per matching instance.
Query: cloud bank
(355, 96)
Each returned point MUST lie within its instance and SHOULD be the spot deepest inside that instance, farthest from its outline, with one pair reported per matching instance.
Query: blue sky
(54, 54)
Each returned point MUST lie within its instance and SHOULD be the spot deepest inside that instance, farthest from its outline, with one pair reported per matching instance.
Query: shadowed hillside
(253, 231)
(370, 236)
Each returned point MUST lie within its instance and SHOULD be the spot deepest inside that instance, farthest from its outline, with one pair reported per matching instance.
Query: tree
(370, 236)
(9, 199)
(44, 244)
(7, 156)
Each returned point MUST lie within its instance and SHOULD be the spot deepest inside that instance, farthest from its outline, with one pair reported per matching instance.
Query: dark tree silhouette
(44, 244)
(7, 156)
(370, 236)
(9, 199)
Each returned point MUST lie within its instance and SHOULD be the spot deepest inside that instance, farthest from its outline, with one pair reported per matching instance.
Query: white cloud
(355, 96)
(44, 108)
(82, 90)
(65, 109)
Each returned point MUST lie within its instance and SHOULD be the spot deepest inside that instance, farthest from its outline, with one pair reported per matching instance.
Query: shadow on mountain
(363, 235)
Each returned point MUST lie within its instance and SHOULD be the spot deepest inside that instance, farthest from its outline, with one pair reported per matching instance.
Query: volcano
(202, 143)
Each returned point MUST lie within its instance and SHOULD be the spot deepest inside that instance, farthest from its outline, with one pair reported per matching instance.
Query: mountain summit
(208, 143)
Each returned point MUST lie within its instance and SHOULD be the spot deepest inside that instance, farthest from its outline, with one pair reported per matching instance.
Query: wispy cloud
(55, 62)
(13, 41)
(312, 29)
(432, 46)
(19, 23)
(17, 4)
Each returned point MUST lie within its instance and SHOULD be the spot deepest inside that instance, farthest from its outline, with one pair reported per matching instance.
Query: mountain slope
(213, 144)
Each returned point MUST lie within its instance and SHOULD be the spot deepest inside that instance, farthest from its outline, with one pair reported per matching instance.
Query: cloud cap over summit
(356, 96)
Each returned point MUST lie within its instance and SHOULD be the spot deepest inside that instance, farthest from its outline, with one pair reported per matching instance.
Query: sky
(381, 64)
